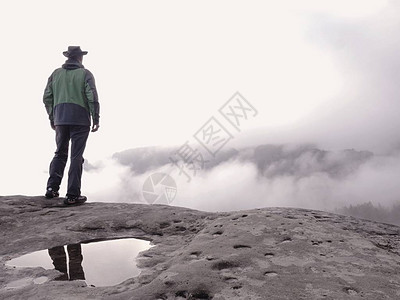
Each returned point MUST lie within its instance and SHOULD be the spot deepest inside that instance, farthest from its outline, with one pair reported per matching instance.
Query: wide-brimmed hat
(74, 51)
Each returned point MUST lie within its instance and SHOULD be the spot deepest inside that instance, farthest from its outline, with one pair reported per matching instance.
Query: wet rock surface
(270, 253)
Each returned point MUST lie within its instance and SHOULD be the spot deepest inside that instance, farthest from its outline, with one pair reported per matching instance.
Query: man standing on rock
(71, 102)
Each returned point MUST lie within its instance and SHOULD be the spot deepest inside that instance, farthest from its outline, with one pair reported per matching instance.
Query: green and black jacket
(70, 96)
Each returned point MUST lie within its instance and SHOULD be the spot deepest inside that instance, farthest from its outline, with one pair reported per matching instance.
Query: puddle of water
(103, 263)
(40, 280)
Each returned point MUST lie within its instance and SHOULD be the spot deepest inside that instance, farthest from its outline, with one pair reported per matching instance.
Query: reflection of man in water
(59, 258)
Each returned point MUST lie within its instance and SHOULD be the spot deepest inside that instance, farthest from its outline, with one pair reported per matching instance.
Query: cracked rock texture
(270, 253)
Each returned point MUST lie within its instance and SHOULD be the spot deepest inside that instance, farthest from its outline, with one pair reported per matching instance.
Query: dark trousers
(78, 136)
(59, 259)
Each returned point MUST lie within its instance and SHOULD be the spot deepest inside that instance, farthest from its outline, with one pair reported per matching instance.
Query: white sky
(162, 69)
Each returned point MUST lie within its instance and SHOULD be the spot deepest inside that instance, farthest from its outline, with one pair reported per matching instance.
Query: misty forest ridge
(349, 181)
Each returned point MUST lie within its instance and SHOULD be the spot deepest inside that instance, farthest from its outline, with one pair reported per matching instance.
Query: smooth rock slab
(270, 253)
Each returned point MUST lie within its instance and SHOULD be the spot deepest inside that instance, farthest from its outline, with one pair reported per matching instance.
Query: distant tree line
(375, 213)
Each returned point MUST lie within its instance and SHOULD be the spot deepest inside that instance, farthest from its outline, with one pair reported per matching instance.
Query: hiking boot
(50, 193)
(75, 200)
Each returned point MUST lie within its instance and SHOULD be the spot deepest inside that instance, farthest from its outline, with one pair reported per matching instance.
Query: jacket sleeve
(48, 99)
(92, 97)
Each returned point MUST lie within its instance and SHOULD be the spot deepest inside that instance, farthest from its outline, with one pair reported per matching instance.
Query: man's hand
(95, 127)
(52, 125)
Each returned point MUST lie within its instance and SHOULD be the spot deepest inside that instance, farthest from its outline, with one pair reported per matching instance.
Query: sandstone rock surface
(270, 253)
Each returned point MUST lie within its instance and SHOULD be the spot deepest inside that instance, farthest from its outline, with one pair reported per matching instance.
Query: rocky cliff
(270, 253)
